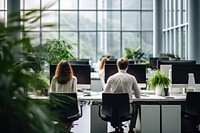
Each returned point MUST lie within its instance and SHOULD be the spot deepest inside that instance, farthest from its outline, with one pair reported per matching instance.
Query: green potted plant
(158, 82)
(135, 54)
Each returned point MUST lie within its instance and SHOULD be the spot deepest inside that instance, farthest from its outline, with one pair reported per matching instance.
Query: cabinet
(159, 119)
(171, 118)
(148, 120)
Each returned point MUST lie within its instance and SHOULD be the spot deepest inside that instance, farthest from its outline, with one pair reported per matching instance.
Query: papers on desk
(89, 93)
(169, 97)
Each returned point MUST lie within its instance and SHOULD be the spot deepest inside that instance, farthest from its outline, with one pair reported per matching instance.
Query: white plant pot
(159, 91)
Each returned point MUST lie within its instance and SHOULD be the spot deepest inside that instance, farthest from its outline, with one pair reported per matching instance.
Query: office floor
(83, 124)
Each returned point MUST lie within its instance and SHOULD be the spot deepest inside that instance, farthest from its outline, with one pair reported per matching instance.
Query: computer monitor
(82, 73)
(137, 70)
(153, 62)
(80, 61)
(180, 75)
(114, 61)
(174, 62)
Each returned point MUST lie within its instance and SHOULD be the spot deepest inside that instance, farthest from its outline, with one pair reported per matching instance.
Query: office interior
(106, 27)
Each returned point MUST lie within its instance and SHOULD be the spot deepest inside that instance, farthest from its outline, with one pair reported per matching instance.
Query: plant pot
(38, 92)
(159, 91)
(166, 91)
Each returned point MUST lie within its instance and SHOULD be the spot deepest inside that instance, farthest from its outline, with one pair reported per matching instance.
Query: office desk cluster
(157, 114)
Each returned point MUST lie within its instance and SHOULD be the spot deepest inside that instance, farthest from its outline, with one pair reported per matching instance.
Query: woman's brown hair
(64, 72)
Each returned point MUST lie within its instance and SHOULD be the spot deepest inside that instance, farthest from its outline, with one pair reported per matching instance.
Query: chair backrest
(64, 104)
(115, 104)
(192, 105)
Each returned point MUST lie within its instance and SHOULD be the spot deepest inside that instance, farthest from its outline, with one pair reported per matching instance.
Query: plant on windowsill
(158, 82)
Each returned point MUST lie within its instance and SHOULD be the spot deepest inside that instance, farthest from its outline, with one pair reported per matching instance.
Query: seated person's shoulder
(74, 77)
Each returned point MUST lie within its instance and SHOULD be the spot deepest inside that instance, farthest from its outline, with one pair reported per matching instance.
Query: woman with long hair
(64, 79)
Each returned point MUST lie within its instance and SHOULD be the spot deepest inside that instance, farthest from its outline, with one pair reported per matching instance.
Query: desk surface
(96, 96)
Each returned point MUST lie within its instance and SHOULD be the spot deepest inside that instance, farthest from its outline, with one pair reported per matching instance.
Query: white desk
(150, 114)
(97, 96)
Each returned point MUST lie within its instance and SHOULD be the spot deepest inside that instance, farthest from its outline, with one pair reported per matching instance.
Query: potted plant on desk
(159, 81)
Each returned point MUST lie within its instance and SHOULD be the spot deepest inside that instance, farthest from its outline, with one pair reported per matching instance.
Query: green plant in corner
(18, 112)
(55, 50)
(159, 80)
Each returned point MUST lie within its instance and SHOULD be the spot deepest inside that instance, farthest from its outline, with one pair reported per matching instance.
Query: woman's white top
(70, 86)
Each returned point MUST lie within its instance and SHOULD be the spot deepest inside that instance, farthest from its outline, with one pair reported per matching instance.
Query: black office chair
(192, 112)
(115, 108)
(64, 107)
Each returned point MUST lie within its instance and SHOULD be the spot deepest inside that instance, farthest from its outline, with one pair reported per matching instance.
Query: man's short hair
(122, 63)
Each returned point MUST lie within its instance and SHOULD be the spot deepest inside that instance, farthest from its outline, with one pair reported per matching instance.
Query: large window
(176, 27)
(3, 7)
(97, 27)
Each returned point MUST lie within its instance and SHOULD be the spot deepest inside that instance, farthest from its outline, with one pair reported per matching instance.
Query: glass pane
(71, 37)
(2, 17)
(109, 44)
(87, 4)
(49, 35)
(69, 4)
(147, 4)
(184, 5)
(113, 44)
(87, 20)
(68, 20)
(131, 4)
(29, 4)
(88, 45)
(108, 20)
(130, 40)
(108, 4)
(147, 20)
(1, 4)
(102, 45)
(29, 26)
(147, 42)
(35, 38)
(184, 45)
(53, 3)
(184, 17)
(170, 13)
(131, 20)
(50, 17)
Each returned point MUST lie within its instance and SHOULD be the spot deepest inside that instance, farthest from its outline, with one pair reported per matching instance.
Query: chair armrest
(100, 106)
(81, 109)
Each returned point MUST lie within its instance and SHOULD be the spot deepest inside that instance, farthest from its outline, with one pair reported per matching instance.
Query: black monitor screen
(80, 61)
(153, 62)
(137, 70)
(175, 62)
(114, 61)
(180, 73)
(82, 73)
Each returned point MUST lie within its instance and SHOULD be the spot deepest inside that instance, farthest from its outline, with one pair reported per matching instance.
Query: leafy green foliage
(56, 50)
(20, 71)
(135, 54)
(158, 79)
